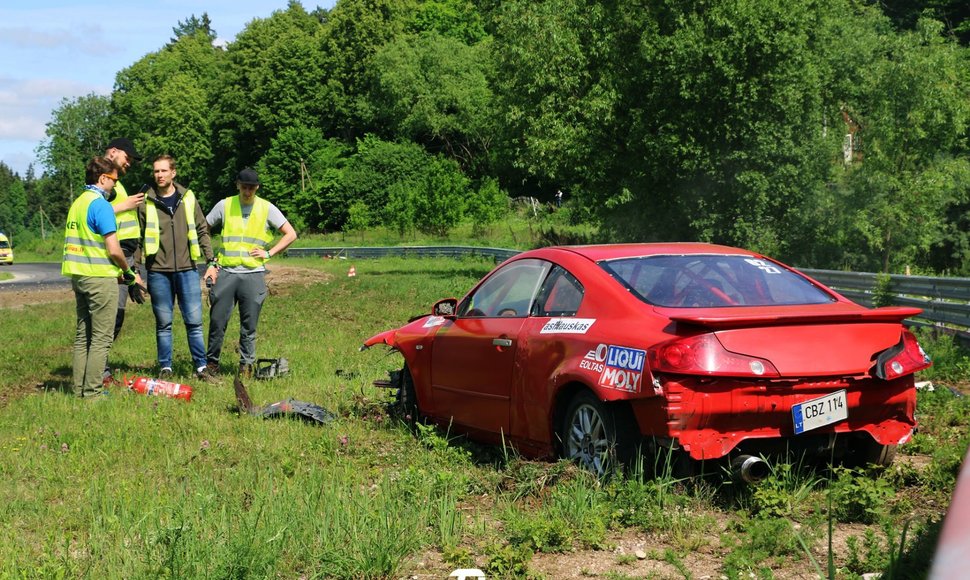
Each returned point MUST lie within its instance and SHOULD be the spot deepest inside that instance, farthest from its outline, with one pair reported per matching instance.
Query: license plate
(818, 412)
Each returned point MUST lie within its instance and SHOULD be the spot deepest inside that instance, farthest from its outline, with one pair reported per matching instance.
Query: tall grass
(136, 487)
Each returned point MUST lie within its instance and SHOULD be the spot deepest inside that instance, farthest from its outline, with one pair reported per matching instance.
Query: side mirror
(447, 308)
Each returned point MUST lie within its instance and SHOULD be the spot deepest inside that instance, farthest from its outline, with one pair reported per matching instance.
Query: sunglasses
(111, 176)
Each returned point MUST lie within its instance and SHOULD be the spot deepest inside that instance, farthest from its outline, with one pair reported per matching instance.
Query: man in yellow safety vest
(121, 152)
(94, 261)
(248, 223)
(174, 238)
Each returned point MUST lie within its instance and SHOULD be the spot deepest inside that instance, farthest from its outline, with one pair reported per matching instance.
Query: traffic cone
(352, 272)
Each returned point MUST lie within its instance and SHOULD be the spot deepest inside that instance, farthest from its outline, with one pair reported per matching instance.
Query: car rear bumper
(709, 419)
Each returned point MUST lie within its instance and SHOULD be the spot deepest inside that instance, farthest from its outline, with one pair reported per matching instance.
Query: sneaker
(204, 375)
(165, 373)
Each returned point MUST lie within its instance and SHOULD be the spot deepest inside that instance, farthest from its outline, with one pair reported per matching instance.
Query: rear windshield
(710, 280)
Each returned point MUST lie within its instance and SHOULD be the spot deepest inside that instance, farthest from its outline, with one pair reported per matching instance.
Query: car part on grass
(150, 386)
(271, 368)
(287, 408)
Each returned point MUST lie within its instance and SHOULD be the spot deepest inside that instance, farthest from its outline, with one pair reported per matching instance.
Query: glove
(136, 294)
(129, 277)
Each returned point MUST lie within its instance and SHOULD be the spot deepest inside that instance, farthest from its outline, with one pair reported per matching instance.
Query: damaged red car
(597, 352)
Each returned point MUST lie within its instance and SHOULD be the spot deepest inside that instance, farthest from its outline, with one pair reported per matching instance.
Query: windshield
(711, 280)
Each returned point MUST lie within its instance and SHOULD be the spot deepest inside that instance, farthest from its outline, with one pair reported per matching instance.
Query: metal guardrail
(945, 301)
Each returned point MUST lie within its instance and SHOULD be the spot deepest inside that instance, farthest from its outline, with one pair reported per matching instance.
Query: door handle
(501, 342)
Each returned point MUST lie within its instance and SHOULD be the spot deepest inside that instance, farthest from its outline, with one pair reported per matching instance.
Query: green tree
(273, 79)
(163, 103)
(380, 167)
(435, 90)
(440, 199)
(913, 116)
(77, 131)
(13, 201)
(302, 174)
(486, 205)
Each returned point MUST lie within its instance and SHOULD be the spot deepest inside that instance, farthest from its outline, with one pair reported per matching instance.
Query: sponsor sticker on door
(567, 326)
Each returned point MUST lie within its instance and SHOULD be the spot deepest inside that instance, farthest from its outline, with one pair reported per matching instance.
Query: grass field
(127, 486)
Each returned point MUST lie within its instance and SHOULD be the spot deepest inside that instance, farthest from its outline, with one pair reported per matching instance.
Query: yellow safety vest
(239, 236)
(153, 233)
(84, 251)
(127, 220)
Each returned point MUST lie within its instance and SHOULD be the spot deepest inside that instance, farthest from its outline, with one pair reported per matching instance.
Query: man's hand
(132, 202)
(136, 292)
(210, 276)
(259, 253)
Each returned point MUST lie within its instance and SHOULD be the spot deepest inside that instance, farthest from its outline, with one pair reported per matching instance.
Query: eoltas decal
(567, 326)
(620, 368)
(433, 321)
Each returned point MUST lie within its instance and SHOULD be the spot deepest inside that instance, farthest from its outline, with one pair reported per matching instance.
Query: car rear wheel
(870, 452)
(594, 435)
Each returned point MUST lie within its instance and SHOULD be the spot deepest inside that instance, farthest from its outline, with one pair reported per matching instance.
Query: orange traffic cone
(352, 272)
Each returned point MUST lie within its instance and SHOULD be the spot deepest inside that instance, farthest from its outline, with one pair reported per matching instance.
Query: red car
(594, 352)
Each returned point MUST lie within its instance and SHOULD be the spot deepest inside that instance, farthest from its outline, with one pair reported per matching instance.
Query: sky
(56, 49)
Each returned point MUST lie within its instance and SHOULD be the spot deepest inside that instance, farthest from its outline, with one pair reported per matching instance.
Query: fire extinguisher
(158, 387)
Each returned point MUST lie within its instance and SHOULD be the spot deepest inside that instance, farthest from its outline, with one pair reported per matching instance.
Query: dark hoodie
(172, 256)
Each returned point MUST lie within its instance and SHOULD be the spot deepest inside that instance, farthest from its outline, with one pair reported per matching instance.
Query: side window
(561, 295)
(507, 292)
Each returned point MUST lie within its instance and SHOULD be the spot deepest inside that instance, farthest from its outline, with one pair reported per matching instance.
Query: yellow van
(6, 252)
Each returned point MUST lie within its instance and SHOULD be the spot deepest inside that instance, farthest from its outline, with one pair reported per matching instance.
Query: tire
(596, 436)
(867, 451)
(407, 401)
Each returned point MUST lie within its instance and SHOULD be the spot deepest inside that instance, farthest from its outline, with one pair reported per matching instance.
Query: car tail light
(704, 355)
(905, 358)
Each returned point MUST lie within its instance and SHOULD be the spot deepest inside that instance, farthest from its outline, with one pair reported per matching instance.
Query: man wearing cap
(247, 223)
(94, 261)
(174, 236)
(121, 152)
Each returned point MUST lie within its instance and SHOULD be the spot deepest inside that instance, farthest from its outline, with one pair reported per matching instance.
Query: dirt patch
(282, 279)
(17, 299)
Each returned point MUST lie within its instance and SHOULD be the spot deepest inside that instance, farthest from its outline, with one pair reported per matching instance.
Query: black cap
(248, 177)
(127, 146)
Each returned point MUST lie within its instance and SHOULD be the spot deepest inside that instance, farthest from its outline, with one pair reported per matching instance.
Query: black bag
(271, 368)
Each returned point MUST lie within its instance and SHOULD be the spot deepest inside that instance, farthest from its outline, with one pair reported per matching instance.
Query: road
(34, 275)
(41, 275)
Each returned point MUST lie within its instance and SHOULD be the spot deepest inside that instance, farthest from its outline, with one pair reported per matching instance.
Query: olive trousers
(96, 301)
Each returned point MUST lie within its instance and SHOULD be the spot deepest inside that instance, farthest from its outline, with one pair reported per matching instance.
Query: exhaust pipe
(751, 469)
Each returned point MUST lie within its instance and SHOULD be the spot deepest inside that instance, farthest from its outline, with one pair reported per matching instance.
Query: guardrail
(945, 301)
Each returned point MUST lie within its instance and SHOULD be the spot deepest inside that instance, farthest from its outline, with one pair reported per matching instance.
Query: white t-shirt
(275, 221)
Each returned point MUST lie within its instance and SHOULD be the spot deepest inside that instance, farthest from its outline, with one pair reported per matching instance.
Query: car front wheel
(593, 435)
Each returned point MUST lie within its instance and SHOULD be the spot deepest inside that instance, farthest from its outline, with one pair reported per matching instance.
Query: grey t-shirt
(218, 214)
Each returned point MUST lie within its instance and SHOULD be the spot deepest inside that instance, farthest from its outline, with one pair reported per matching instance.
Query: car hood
(834, 340)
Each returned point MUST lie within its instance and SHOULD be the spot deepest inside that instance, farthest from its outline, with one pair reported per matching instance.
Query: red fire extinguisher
(158, 387)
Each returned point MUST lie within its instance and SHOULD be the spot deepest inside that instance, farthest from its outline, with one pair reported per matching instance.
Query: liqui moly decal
(567, 326)
(433, 321)
(620, 367)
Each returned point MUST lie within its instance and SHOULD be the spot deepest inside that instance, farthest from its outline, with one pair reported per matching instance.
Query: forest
(825, 133)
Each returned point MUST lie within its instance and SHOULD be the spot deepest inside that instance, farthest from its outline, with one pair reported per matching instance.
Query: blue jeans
(163, 287)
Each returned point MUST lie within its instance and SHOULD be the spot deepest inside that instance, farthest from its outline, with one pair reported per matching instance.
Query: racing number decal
(763, 266)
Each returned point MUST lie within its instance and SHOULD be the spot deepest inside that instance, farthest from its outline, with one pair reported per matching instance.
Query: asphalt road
(40, 275)
(33, 275)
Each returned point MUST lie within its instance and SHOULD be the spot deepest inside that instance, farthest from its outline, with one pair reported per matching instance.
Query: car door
(473, 358)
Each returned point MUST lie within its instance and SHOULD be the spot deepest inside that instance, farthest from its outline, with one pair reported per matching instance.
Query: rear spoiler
(777, 318)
